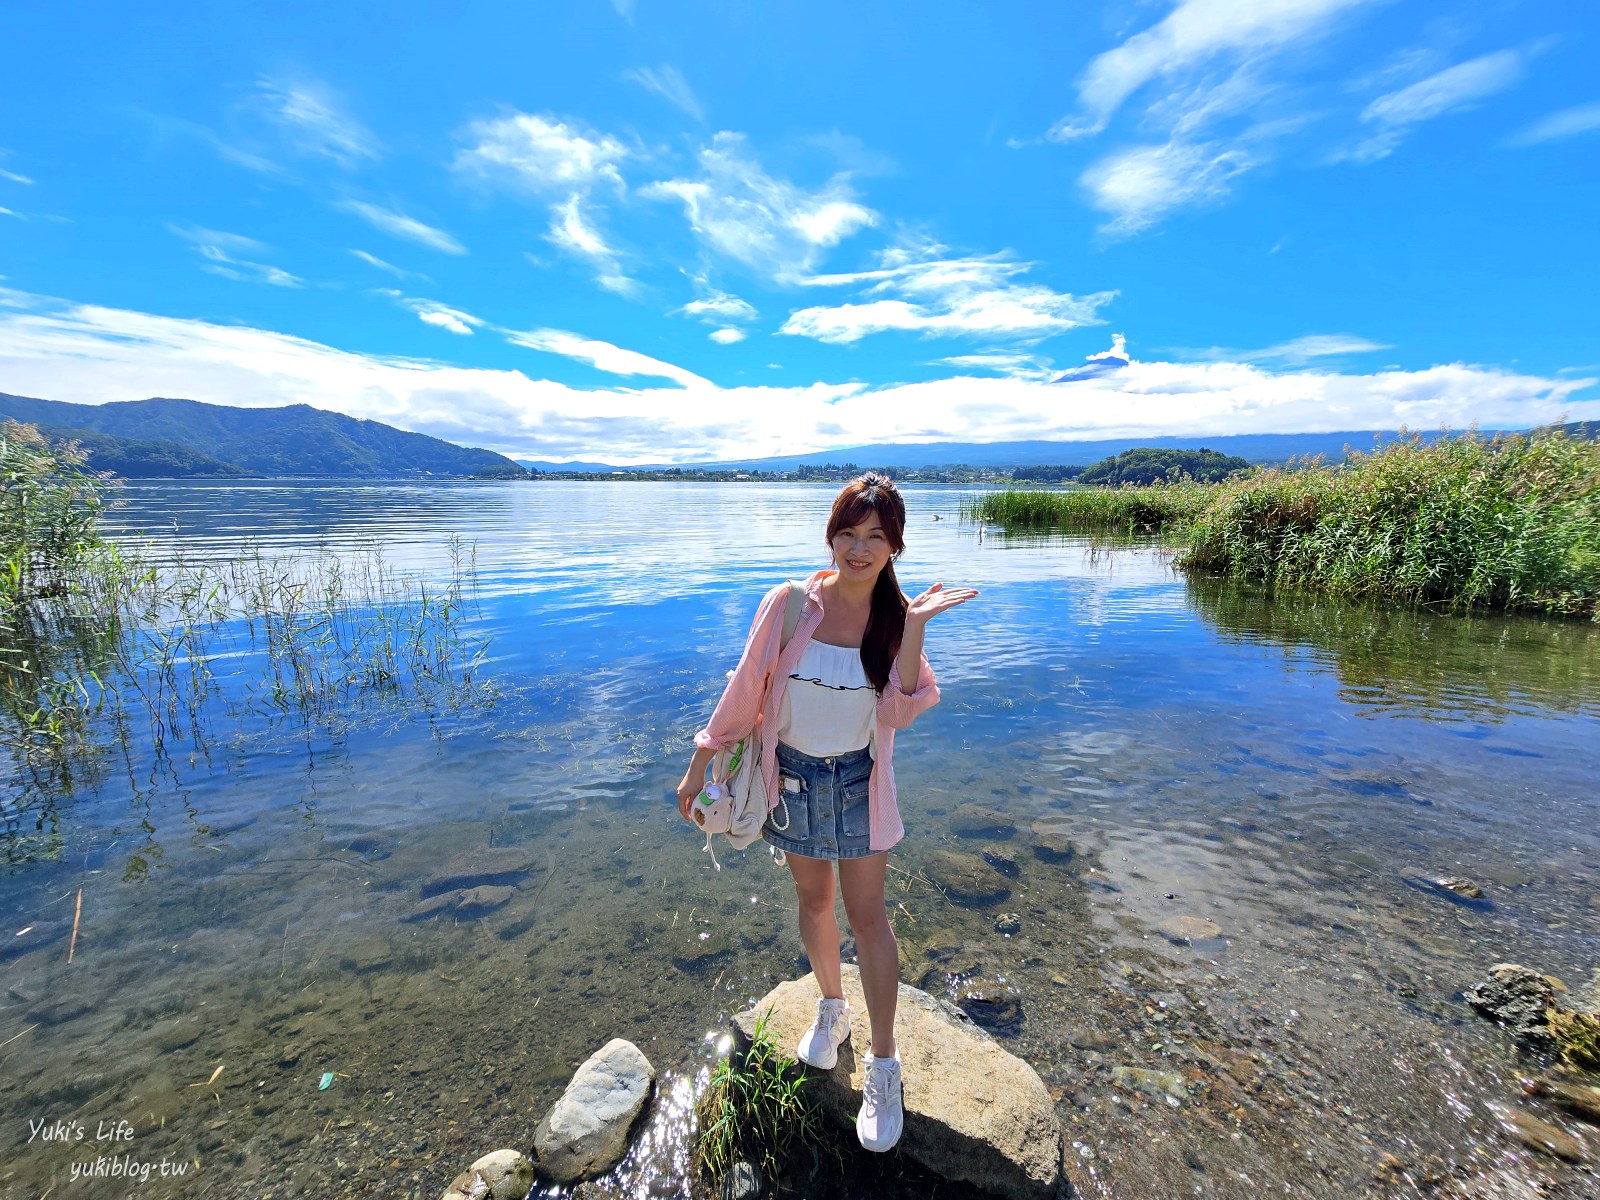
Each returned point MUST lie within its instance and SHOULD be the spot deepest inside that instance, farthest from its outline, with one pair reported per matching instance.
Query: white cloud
(720, 306)
(311, 115)
(372, 260)
(768, 224)
(728, 336)
(936, 296)
(541, 154)
(1455, 88)
(1569, 122)
(218, 248)
(6, 212)
(402, 226)
(91, 354)
(1141, 185)
(1192, 34)
(13, 176)
(571, 231)
(670, 85)
(431, 312)
(603, 355)
(1015, 366)
(1315, 345)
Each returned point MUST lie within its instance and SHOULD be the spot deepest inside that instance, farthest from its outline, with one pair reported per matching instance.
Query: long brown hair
(886, 621)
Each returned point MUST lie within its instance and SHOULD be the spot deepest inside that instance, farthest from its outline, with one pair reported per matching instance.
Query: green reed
(1463, 522)
(1131, 510)
(754, 1107)
(99, 639)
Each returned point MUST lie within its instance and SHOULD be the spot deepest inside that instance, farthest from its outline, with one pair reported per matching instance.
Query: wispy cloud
(372, 260)
(6, 212)
(668, 83)
(88, 353)
(917, 290)
(1141, 185)
(540, 154)
(720, 306)
(769, 224)
(1454, 89)
(1192, 35)
(13, 176)
(311, 115)
(431, 312)
(1014, 366)
(1569, 122)
(603, 355)
(571, 231)
(402, 226)
(1296, 352)
(218, 250)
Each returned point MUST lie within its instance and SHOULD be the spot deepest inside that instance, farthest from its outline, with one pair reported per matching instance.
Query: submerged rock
(502, 1175)
(1462, 892)
(974, 1112)
(1519, 999)
(481, 866)
(1008, 924)
(480, 900)
(1540, 1135)
(1161, 1084)
(1185, 931)
(1576, 1098)
(992, 1005)
(586, 1132)
(967, 879)
(1051, 843)
(979, 821)
(1002, 860)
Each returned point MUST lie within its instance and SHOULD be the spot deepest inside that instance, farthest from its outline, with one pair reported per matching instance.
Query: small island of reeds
(1461, 522)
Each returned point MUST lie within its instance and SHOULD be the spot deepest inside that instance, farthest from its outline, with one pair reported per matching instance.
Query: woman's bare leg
(819, 928)
(861, 882)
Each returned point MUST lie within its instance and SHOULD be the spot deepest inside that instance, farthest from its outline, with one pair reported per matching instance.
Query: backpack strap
(791, 612)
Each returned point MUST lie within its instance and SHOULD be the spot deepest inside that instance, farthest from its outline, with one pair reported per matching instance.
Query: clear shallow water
(1289, 770)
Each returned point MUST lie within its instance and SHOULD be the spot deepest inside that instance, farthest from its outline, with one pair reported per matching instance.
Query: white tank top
(829, 706)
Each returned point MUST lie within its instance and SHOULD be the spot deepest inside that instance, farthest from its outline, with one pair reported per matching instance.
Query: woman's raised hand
(935, 600)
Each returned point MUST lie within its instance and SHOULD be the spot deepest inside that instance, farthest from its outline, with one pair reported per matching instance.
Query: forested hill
(186, 437)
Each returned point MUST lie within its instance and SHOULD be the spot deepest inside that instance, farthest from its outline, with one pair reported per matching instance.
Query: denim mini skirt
(822, 807)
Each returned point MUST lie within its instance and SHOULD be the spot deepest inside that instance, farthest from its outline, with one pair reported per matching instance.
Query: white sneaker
(819, 1045)
(882, 1114)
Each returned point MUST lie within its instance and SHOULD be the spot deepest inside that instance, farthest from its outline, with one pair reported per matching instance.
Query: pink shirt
(761, 678)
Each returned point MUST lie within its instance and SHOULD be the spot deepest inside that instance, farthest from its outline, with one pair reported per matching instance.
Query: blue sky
(639, 231)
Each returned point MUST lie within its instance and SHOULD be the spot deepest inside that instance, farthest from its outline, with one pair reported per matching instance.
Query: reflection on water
(1220, 811)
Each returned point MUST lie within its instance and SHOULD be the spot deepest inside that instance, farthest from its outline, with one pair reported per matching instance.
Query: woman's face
(861, 551)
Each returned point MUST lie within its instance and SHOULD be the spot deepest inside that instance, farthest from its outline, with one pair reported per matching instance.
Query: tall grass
(100, 640)
(1120, 510)
(1462, 522)
(754, 1107)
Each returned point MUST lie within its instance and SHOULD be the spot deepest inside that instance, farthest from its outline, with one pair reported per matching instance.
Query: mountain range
(162, 437)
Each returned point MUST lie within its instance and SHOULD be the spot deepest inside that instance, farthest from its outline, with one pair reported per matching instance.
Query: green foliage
(1122, 510)
(1145, 465)
(1577, 1036)
(754, 1108)
(1042, 474)
(1511, 522)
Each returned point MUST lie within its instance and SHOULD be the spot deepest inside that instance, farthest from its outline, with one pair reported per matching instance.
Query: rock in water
(978, 821)
(482, 866)
(586, 1133)
(1051, 843)
(1540, 1135)
(503, 1175)
(1185, 931)
(1519, 999)
(994, 1006)
(1576, 1098)
(973, 1112)
(1160, 1084)
(967, 879)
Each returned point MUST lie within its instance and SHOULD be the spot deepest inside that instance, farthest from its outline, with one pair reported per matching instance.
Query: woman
(829, 702)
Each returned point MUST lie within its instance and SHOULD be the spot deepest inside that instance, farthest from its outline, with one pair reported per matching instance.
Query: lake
(1259, 793)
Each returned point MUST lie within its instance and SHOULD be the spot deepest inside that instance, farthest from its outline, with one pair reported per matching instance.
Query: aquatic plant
(98, 637)
(1119, 510)
(754, 1108)
(1464, 522)
(1577, 1036)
